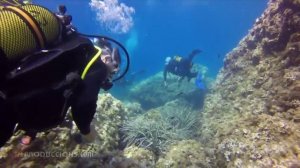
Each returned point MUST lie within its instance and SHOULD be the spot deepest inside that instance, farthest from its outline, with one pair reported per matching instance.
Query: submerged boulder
(187, 153)
(143, 157)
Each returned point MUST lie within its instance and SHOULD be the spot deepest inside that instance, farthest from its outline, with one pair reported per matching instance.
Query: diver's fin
(11, 2)
(199, 83)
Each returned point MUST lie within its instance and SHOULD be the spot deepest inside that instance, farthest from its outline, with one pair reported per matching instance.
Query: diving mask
(112, 60)
(114, 55)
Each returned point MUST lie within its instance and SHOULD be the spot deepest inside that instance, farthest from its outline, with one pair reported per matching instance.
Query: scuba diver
(180, 66)
(46, 67)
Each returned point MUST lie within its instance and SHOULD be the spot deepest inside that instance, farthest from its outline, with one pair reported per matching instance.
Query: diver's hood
(119, 54)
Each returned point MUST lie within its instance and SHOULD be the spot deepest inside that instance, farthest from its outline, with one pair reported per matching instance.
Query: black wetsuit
(37, 103)
(180, 68)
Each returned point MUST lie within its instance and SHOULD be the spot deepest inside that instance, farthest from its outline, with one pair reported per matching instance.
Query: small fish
(179, 94)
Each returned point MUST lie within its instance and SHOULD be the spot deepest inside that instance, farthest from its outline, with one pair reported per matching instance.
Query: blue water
(169, 27)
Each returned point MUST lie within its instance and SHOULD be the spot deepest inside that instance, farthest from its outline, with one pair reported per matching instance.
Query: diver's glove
(86, 138)
(90, 137)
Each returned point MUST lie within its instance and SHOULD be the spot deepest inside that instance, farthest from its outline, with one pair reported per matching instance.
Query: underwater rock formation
(152, 93)
(187, 153)
(252, 116)
(57, 147)
(144, 158)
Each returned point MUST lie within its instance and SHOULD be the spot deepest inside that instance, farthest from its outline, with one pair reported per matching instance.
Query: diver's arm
(85, 100)
(83, 116)
(193, 53)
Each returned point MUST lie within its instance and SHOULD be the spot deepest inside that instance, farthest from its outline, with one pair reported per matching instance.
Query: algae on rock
(252, 113)
(187, 153)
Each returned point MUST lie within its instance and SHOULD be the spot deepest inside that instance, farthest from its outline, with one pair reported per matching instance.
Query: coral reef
(252, 114)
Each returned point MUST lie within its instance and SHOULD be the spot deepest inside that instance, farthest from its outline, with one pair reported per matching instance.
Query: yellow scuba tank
(25, 29)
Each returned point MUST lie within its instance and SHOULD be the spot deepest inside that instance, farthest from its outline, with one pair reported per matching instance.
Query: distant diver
(47, 68)
(180, 66)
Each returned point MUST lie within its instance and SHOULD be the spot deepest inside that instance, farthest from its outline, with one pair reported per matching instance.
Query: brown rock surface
(252, 115)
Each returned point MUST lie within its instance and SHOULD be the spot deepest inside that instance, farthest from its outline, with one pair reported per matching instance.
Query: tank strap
(31, 23)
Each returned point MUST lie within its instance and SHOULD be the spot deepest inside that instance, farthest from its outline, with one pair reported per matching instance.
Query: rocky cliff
(252, 116)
